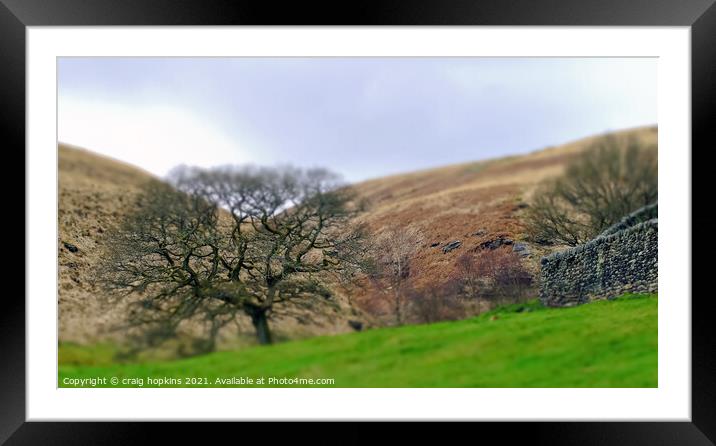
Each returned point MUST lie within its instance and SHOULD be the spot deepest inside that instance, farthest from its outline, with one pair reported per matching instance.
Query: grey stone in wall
(616, 262)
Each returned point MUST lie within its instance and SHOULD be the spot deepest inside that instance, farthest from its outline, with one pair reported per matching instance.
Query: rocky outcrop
(521, 249)
(451, 246)
(70, 247)
(496, 243)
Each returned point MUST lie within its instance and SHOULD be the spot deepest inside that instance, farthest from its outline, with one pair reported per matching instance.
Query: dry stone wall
(623, 259)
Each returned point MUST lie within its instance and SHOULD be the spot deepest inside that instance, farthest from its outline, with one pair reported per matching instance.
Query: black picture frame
(700, 15)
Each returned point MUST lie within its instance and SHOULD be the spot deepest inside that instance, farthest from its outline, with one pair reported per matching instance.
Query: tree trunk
(398, 315)
(258, 318)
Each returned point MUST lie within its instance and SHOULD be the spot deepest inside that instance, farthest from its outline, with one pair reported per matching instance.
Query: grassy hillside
(601, 344)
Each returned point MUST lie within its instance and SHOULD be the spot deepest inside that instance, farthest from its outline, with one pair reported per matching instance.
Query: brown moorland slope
(94, 193)
(474, 203)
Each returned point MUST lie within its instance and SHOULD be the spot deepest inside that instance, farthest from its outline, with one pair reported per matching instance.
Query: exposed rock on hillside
(521, 249)
(451, 246)
(496, 243)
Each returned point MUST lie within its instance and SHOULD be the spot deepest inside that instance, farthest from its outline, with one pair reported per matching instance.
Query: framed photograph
(369, 217)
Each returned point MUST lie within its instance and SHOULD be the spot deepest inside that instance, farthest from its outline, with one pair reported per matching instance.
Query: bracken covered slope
(474, 203)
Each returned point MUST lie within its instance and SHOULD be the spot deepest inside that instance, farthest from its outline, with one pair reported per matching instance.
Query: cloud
(155, 137)
(363, 117)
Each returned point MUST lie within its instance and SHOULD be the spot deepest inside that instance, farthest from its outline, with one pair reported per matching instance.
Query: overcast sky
(362, 117)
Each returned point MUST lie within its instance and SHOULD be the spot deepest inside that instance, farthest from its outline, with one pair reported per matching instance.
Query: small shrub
(435, 303)
(496, 275)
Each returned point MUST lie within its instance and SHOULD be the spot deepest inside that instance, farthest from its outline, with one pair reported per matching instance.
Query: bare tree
(221, 241)
(611, 179)
(393, 250)
(467, 276)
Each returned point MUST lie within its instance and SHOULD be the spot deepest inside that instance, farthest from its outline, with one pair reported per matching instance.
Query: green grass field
(601, 344)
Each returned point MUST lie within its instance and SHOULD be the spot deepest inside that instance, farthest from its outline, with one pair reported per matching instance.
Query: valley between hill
(473, 203)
